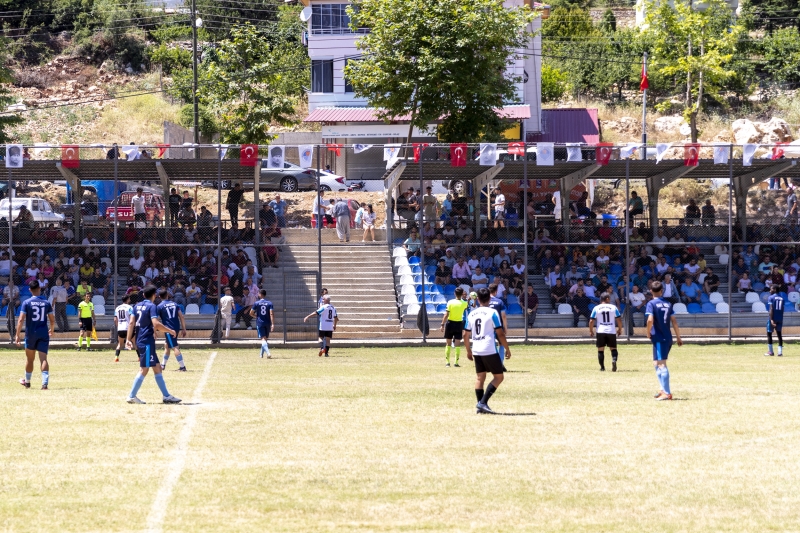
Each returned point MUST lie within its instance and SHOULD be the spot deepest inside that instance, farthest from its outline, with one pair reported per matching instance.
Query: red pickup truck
(154, 206)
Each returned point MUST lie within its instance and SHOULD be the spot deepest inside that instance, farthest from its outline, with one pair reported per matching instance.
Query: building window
(348, 87)
(322, 76)
(331, 19)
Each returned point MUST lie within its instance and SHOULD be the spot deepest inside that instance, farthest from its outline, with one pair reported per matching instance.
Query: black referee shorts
(453, 330)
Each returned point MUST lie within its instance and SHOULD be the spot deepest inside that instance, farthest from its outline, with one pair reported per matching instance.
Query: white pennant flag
(748, 151)
(40, 147)
(306, 152)
(358, 148)
(223, 150)
(276, 156)
(390, 162)
(544, 154)
(574, 152)
(627, 150)
(488, 154)
(661, 149)
(390, 151)
(131, 151)
(721, 153)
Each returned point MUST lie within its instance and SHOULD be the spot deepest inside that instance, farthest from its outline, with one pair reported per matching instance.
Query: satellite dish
(305, 15)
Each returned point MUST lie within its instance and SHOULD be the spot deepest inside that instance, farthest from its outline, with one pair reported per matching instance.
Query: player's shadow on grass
(513, 414)
(517, 372)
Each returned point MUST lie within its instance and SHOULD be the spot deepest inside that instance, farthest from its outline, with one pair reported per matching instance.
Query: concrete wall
(176, 135)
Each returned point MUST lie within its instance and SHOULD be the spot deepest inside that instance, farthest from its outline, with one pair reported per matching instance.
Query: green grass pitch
(388, 440)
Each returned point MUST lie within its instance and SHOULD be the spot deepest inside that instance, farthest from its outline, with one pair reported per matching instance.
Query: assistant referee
(453, 324)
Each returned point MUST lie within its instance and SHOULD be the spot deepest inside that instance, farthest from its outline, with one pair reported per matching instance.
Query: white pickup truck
(40, 209)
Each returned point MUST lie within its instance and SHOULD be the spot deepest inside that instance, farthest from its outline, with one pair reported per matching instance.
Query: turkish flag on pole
(248, 156)
(70, 156)
(516, 148)
(644, 84)
(335, 148)
(602, 153)
(418, 147)
(691, 155)
(458, 155)
(162, 149)
(777, 151)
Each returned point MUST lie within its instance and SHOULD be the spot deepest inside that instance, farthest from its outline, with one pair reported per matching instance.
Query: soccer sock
(137, 384)
(601, 358)
(769, 341)
(162, 385)
(164, 362)
(665, 377)
(327, 349)
(659, 377)
(28, 376)
(488, 394)
(479, 394)
(179, 359)
(614, 354)
(266, 346)
(116, 354)
(780, 341)
(458, 353)
(88, 342)
(447, 353)
(45, 377)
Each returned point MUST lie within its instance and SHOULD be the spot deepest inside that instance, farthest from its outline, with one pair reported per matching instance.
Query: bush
(171, 58)
(207, 125)
(781, 52)
(123, 47)
(554, 83)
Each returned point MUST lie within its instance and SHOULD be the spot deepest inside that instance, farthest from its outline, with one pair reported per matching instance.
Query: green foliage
(568, 23)
(205, 120)
(609, 22)
(569, 4)
(171, 58)
(554, 83)
(221, 16)
(771, 14)
(781, 55)
(438, 60)
(7, 120)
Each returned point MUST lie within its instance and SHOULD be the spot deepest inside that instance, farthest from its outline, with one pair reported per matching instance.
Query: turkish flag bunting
(516, 148)
(70, 156)
(777, 151)
(162, 149)
(458, 154)
(248, 156)
(336, 149)
(418, 147)
(602, 153)
(644, 84)
(691, 155)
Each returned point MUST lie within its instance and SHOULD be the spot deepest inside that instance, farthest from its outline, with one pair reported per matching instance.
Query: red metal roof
(367, 114)
(568, 126)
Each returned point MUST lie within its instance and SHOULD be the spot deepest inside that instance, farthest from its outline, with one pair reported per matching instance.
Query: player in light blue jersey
(172, 317)
(659, 317)
(145, 323)
(35, 314)
(775, 305)
(262, 311)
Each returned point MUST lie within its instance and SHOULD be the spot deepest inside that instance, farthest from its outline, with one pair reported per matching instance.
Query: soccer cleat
(484, 409)
(457, 365)
(262, 355)
(116, 359)
(269, 356)
(163, 366)
(780, 355)
(182, 369)
(664, 396)
(24, 383)
(136, 400)
(44, 387)
(613, 367)
(602, 369)
(171, 399)
(321, 351)
(447, 365)
(768, 354)
(659, 393)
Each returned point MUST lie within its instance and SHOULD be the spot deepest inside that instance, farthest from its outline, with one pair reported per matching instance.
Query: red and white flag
(517, 148)
(602, 153)
(336, 149)
(777, 151)
(70, 156)
(418, 148)
(248, 157)
(691, 155)
(458, 155)
(644, 84)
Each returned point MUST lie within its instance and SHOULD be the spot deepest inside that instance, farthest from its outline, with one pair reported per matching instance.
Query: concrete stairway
(359, 280)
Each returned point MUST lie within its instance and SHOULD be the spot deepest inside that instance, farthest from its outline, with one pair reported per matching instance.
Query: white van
(39, 208)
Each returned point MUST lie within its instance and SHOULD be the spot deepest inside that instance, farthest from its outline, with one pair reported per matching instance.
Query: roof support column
(481, 180)
(654, 185)
(77, 198)
(743, 183)
(390, 188)
(566, 184)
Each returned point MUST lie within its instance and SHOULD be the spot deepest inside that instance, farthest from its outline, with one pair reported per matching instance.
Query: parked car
(328, 181)
(290, 178)
(89, 214)
(154, 207)
(40, 208)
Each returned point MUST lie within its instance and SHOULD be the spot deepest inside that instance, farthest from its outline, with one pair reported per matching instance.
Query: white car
(40, 208)
(328, 181)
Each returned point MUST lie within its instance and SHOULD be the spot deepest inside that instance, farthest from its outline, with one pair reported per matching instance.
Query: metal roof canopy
(139, 170)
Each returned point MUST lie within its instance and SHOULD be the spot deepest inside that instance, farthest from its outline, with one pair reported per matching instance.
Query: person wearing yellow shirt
(83, 288)
(87, 320)
(86, 271)
(453, 324)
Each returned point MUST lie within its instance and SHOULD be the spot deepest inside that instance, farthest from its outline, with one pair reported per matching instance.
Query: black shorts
(607, 339)
(488, 363)
(122, 334)
(140, 217)
(323, 333)
(148, 355)
(453, 330)
(87, 324)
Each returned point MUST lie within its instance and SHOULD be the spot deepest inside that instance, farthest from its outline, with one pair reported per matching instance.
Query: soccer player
(121, 315)
(172, 317)
(262, 311)
(145, 322)
(453, 324)
(87, 320)
(659, 316)
(35, 313)
(605, 315)
(482, 327)
(498, 305)
(327, 324)
(775, 305)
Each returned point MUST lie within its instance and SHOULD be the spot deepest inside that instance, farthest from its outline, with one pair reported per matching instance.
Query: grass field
(388, 440)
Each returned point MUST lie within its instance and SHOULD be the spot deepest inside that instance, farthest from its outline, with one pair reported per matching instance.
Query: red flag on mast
(644, 84)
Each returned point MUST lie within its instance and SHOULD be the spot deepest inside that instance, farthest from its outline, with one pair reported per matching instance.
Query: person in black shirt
(711, 283)
(580, 306)
(443, 273)
(232, 204)
(558, 294)
(459, 206)
(174, 206)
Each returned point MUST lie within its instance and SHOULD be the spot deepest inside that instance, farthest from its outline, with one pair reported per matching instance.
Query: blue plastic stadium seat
(431, 308)
(207, 309)
(764, 296)
(3, 310)
(709, 308)
(704, 299)
(439, 299)
(514, 309)
(615, 270)
(512, 219)
(441, 308)
(437, 289)
(449, 288)
(399, 241)
(694, 308)
(416, 269)
(512, 299)
(413, 260)
(71, 311)
(430, 270)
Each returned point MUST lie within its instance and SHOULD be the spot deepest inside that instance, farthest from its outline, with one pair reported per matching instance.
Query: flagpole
(644, 108)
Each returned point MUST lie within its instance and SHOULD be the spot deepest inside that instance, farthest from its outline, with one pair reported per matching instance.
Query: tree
(443, 60)
(693, 45)
(771, 14)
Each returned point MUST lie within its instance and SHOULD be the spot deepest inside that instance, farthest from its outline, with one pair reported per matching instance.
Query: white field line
(155, 520)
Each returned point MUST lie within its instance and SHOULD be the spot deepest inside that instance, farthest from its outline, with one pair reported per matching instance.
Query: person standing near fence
(174, 206)
(342, 213)
(58, 297)
(232, 203)
(226, 304)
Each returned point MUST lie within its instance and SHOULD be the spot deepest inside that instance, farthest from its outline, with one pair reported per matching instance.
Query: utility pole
(194, 82)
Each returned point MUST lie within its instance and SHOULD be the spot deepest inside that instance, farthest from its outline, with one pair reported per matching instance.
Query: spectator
(136, 261)
(72, 296)
(462, 275)
(139, 210)
(660, 240)
(690, 292)
(430, 206)
(692, 213)
(235, 196)
(443, 273)
(58, 295)
(692, 269)
(744, 284)
(531, 305)
(10, 295)
(459, 206)
(765, 268)
(342, 213)
(790, 278)
(670, 293)
(636, 304)
(194, 293)
(279, 208)
(499, 208)
(449, 233)
(554, 275)
(447, 205)
(412, 243)
(635, 207)
(174, 204)
(573, 275)
(479, 279)
(708, 213)
(711, 282)
(100, 282)
(791, 204)
(580, 307)
(269, 255)
(464, 231)
(368, 222)
(739, 268)
(518, 275)
(548, 262)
